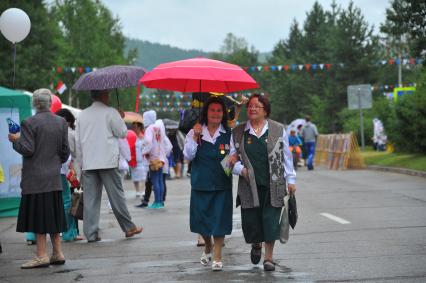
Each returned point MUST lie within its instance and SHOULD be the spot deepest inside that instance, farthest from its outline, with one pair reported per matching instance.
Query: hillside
(151, 54)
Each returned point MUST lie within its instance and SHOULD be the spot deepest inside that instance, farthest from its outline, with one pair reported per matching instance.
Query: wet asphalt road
(354, 226)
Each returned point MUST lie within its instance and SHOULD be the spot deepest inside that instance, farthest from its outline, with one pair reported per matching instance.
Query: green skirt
(261, 224)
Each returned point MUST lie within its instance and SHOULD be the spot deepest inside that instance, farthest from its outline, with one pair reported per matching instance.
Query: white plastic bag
(284, 224)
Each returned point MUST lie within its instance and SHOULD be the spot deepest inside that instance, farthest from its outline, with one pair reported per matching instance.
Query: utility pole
(361, 118)
(400, 62)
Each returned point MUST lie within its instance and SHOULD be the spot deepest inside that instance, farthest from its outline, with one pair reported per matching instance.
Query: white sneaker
(138, 195)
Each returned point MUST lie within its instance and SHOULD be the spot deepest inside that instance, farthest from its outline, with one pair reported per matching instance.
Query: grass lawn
(396, 159)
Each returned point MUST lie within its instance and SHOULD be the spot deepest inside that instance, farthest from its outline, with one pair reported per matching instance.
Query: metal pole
(400, 70)
(400, 62)
(361, 118)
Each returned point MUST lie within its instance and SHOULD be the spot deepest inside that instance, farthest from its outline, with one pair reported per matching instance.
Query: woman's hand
(197, 131)
(291, 189)
(245, 174)
(232, 160)
(13, 137)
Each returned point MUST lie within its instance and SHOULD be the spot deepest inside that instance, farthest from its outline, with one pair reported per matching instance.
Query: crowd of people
(98, 150)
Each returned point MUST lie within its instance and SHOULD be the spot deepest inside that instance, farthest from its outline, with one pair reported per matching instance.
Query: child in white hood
(156, 148)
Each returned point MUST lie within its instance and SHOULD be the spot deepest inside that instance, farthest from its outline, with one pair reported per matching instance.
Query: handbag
(77, 204)
(292, 211)
(156, 164)
(284, 222)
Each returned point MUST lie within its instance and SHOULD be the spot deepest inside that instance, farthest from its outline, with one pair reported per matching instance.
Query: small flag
(61, 87)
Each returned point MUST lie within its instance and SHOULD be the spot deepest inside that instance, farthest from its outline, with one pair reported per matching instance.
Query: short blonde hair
(42, 99)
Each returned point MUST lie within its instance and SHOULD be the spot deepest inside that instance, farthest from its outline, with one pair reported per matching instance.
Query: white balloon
(15, 25)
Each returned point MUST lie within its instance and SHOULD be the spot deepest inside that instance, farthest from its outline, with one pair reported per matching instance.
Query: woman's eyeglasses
(255, 107)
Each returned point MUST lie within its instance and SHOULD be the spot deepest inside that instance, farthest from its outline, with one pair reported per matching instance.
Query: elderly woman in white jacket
(156, 148)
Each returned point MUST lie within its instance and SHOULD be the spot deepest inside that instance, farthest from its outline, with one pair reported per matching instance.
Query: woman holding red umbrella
(206, 145)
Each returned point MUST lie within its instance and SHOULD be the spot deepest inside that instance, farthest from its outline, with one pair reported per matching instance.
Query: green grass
(396, 159)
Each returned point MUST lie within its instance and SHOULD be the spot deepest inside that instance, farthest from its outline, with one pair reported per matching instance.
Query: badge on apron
(222, 148)
(227, 147)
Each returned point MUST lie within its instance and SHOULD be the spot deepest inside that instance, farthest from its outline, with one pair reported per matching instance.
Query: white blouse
(190, 147)
(289, 172)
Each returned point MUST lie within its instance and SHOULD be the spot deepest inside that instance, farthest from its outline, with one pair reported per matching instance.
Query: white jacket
(98, 129)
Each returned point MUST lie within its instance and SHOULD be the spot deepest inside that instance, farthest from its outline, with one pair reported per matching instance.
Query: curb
(398, 170)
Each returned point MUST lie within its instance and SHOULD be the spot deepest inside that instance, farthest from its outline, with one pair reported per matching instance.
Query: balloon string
(14, 64)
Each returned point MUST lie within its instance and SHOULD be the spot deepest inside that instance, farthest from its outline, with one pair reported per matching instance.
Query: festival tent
(17, 106)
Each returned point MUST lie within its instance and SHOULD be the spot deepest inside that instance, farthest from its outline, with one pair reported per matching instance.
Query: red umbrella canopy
(199, 75)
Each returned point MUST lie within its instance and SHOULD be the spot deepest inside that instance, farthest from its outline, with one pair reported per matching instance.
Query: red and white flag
(61, 87)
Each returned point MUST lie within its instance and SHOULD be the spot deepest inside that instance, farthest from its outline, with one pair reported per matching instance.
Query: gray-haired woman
(261, 156)
(43, 144)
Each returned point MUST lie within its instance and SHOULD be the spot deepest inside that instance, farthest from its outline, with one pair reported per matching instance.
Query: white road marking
(335, 218)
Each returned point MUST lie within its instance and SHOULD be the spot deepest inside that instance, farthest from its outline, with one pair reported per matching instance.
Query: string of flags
(79, 70)
(327, 66)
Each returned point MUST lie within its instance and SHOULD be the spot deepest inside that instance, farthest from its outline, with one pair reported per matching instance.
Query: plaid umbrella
(111, 77)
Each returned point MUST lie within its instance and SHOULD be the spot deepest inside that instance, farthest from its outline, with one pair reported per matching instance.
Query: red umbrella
(199, 75)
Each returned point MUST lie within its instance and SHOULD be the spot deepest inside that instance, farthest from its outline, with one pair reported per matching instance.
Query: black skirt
(42, 213)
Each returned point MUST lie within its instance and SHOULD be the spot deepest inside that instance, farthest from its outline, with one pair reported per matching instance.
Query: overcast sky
(203, 24)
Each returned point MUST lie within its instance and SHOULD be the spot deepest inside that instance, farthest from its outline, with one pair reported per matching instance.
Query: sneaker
(155, 205)
(138, 195)
(37, 262)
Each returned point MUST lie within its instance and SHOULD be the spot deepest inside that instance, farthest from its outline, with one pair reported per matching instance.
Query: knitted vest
(247, 190)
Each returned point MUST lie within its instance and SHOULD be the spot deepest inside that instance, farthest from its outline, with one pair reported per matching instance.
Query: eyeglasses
(255, 107)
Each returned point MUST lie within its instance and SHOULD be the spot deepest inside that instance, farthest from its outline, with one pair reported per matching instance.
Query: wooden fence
(339, 151)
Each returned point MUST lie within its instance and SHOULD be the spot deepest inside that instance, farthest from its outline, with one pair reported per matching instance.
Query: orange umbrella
(130, 117)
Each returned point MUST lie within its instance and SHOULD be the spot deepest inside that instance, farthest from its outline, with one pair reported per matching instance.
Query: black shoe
(97, 239)
(256, 253)
(268, 265)
(142, 205)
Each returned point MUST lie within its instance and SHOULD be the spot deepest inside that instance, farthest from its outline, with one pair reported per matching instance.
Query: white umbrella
(293, 125)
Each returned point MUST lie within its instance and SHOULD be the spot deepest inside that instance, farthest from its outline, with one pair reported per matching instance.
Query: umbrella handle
(118, 101)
